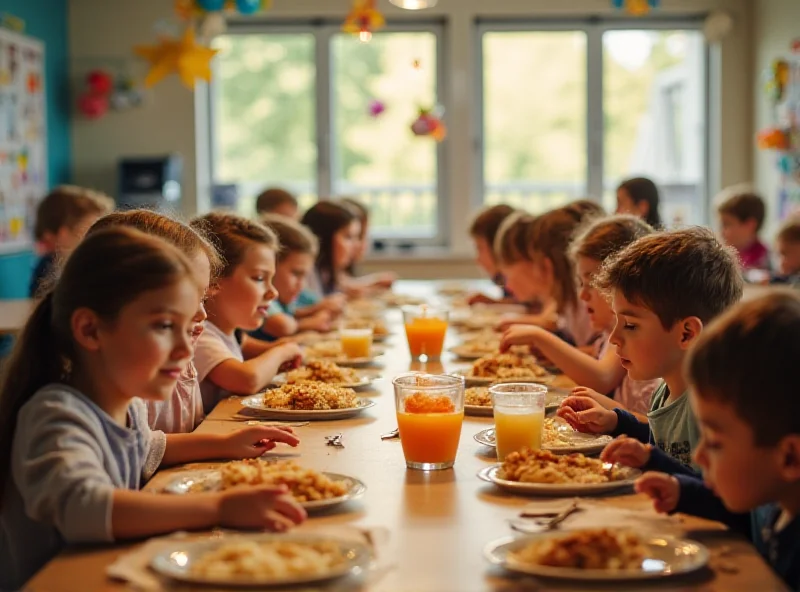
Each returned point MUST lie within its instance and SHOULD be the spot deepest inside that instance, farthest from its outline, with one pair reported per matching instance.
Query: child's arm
(334, 304)
(250, 376)
(633, 453)
(250, 442)
(603, 375)
(321, 321)
(688, 495)
(587, 415)
(606, 402)
(280, 325)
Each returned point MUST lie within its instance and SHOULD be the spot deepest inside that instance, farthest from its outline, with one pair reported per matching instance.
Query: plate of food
(598, 554)
(332, 351)
(262, 560)
(558, 437)
(541, 472)
(475, 349)
(308, 401)
(311, 489)
(507, 367)
(325, 372)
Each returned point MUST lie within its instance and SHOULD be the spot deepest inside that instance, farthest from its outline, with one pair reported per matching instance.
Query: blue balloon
(211, 5)
(248, 6)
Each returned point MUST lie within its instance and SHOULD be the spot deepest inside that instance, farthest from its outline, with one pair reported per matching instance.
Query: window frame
(324, 32)
(594, 29)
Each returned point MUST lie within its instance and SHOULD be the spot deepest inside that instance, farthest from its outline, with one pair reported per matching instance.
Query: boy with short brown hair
(664, 289)
(483, 230)
(62, 219)
(743, 391)
(787, 243)
(275, 200)
(741, 214)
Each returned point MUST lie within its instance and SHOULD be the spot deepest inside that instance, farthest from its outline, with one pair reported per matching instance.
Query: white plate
(666, 557)
(176, 561)
(211, 480)
(579, 442)
(557, 489)
(364, 381)
(466, 353)
(485, 381)
(256, 402)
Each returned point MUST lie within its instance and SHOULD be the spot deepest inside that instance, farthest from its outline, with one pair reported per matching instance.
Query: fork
(395, 433)
(545, 525)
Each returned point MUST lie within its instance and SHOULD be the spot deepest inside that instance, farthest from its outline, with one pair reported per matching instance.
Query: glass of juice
(356, 338)
(518, 416)
(430, 411)
(425, 329)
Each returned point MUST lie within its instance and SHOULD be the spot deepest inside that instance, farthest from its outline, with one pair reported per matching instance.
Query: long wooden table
(439, 521)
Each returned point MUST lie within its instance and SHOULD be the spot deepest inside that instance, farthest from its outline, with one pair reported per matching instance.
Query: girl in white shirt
(74, 442)
(227, 359)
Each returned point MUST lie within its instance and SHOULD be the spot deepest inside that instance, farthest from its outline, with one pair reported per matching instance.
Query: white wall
(102, 30)
(777, 24)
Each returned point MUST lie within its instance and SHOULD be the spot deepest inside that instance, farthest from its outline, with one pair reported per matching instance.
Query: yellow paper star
(363, 18)
(184, 56)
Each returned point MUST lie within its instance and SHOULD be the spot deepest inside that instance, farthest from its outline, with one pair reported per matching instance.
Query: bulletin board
(23, 138)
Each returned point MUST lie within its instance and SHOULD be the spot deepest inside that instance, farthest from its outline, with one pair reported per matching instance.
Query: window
(293, 110)
(570, 111)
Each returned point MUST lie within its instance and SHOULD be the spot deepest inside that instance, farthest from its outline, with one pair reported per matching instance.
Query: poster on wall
(23, 138)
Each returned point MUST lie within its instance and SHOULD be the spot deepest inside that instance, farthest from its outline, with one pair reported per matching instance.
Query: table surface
(439, 521)
(13, 314)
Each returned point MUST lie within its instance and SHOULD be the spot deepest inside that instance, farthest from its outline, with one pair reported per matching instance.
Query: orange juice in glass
(430, 411)
(518, 416)
(356, 339)
(425, 329)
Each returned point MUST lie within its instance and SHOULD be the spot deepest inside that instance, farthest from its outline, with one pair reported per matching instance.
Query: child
(363, 285)
(62, 218)
(73, 432)
(183, 412)
(585, 209)
(741, 216)
(742, 372)
(602, 372)
(277, 201)
(664, 289)
(293, 264)
(534, 260)
(228, 360)
(788, 247)
(639, 197)
(338, 229)
(483, 230)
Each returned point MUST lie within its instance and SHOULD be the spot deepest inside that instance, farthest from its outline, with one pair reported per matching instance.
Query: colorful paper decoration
(184, 56)
(635, 7)
(363, 20)
(376, 108)
(429, 123)
(103, 91)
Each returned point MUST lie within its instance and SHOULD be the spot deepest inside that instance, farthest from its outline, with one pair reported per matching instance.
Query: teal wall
(45, 20)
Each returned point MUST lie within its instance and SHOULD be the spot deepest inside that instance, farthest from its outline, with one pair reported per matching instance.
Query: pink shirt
(575, 321)
(756, 256)
(635, 395)
(183, 412)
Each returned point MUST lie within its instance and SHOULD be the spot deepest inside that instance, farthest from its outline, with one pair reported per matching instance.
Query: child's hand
(290, 355)
(385, 279)
(627, 451)
(321, 321)
(334, 303)
(605, 402)
(585, 414)
(506, 322)
(253, 441)
(519, 335)
(260, 507)
(479, 298)
(663, 489)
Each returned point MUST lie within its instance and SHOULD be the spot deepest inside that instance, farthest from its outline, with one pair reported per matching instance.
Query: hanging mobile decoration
(363, 20)
(635, 7)
(429, 124)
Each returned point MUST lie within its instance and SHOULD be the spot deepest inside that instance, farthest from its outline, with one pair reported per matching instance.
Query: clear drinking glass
(426, 327)
(430, 411)
(356, 338)
(518, 416)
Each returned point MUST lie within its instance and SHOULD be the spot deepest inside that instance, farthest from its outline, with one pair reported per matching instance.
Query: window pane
(265, 128)
(534, 86)
(378, 159)
(654, 93)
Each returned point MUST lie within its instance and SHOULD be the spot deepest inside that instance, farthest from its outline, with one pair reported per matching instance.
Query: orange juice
(426, 336)
(357, 343)
(516, 428)
(430, 437)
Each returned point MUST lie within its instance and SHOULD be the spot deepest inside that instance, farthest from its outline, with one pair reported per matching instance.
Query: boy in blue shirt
(664, 289)
(742, 374)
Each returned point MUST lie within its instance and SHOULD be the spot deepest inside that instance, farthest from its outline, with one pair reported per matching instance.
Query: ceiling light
(414, 4)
